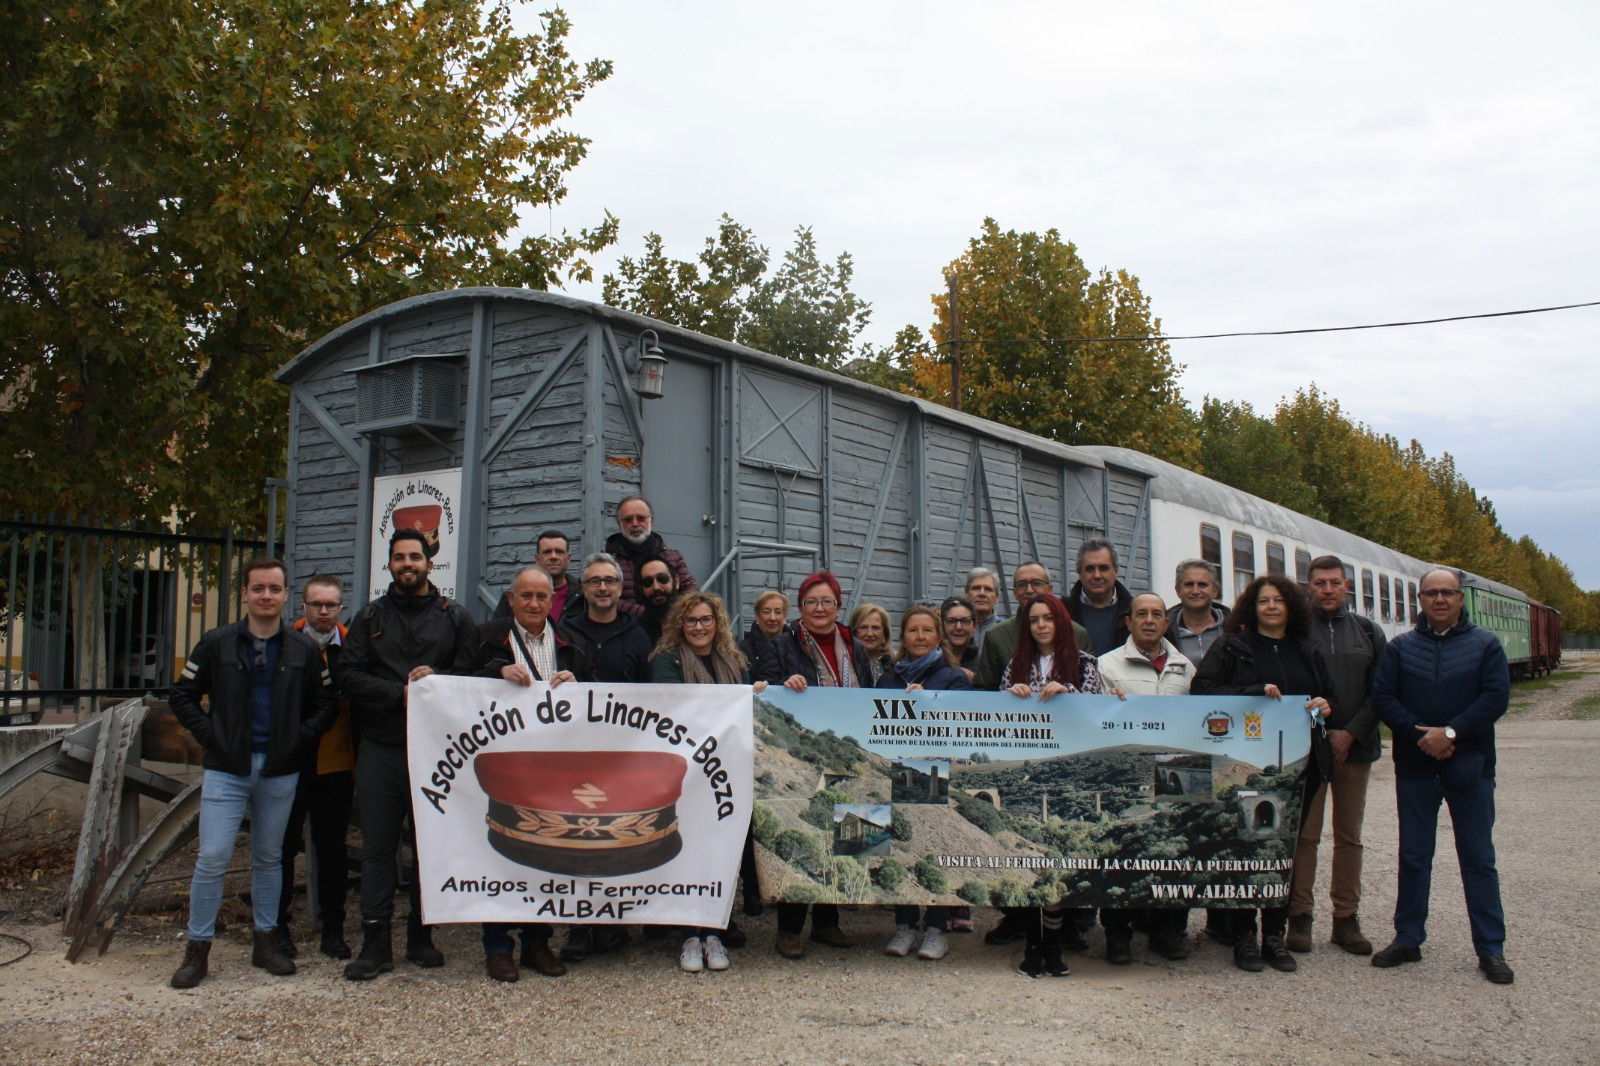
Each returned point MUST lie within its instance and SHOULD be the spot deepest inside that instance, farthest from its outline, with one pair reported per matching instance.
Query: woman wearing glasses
(817, 650)
(1048, 662)
(960, 623)
(697, 648)
(1267, 652)
(922, 666)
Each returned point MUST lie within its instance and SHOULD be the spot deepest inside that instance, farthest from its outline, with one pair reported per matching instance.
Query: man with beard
(406, 634)
(658, 588)
(636, 541)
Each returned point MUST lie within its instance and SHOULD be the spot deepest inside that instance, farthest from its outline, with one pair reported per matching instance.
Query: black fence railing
(90, 611)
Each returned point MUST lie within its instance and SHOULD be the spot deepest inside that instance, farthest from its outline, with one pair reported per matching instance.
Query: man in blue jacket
(1440, 688)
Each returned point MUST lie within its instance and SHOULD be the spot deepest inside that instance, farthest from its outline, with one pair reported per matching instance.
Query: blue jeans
(1470, 797)
(224, 800)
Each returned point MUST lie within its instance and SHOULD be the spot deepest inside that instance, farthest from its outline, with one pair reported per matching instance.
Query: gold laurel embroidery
(626, 827)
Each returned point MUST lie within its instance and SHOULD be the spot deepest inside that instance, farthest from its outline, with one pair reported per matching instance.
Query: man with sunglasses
(268, 698)
(657, 588)
(326, 791)
(1440, 688)
(636, 541)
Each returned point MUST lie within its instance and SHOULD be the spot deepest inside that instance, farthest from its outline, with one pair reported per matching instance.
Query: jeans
(497, 936)
(1470, 797)
(224, 800)
(1349, 790)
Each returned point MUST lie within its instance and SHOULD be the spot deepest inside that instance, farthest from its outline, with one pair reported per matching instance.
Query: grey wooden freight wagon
(759, 469)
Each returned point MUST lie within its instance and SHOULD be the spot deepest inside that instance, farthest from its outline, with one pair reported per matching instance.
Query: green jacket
(999, 644)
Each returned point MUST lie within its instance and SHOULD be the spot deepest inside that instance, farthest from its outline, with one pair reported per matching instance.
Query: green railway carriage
(1503, 611)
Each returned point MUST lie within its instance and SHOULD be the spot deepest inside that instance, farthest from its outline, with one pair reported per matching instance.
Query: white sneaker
(716, 954)
(691, 957)
(934, 945)
(905, 938)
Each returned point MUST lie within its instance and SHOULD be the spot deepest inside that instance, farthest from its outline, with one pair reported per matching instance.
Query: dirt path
(862, 1007)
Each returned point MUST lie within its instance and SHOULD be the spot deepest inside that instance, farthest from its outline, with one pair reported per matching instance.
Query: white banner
(427, 502)
(583, 803)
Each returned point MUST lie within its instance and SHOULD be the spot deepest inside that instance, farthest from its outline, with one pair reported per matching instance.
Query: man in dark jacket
(614, 643)
(1098, 601)
(404, 635)
(522, 649)
(633, 543)
(269, 698)
(1440, 688)
(1352, 644)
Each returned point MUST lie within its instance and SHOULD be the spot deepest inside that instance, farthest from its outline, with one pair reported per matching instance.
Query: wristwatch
(1450, 732)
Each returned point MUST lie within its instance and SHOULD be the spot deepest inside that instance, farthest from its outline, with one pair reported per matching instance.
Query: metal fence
(90, 611)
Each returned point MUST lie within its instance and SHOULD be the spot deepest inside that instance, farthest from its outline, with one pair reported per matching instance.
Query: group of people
(305, 721)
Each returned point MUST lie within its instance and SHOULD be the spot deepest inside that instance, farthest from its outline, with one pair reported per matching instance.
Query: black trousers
(324, 799)
(383, 800)
(792, 916)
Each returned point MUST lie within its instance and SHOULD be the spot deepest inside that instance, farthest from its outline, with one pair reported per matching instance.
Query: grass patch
(1540, 684)
(1587, 708)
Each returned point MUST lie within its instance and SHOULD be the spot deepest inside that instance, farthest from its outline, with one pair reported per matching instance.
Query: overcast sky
(1256, 165)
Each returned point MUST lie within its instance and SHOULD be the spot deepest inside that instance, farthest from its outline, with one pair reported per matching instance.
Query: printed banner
(428, 503)
(882, 796)
(579, 803)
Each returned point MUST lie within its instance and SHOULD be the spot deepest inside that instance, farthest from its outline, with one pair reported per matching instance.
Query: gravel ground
(861, 1006)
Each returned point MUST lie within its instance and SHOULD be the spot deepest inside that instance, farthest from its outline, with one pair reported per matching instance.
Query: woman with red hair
(1046, 663)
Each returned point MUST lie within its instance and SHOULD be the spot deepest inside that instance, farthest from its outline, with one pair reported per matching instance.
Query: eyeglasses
(1031, 583)
(1439, 594)
(601, 582)
(656, 579)
(810, 604)
(323, 608)
(953, 622)
(699, 623)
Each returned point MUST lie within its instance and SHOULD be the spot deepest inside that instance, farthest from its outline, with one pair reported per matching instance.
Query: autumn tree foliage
(191, 190)
(1026, 304)
(804, 309)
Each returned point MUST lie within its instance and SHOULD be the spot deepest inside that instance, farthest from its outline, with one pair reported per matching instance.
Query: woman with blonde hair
(697, 648)
(870, 624)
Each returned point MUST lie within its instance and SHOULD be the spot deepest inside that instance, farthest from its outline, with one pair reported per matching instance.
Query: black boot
(195, 964)
(1032, 958)
(283, 940)
(377, 953)
(1054, 964)
(265, 955)
(419, 945)
(333, 942)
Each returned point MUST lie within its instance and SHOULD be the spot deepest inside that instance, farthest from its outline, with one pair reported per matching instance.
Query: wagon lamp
(648, 365)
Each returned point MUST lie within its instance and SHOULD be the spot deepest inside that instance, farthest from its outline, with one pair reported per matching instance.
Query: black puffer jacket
(218, 670)
(390, 637)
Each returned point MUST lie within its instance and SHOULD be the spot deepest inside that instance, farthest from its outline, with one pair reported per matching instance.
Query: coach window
(1302, 565)
(1367, 598)
(1275, 558)
(1383, 596)
(1244, 560)
(1411, 598)
(1350, 583)
(1211, 552)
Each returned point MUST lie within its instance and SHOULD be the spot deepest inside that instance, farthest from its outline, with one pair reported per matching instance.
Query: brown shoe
(265, 954)
(832, 936)
(537, 956)
(500, 966)
(790, 946)
(1347, 934)
(1299, 937)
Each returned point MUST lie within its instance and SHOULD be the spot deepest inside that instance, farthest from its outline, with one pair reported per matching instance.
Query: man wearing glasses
(1440, 688)
(268, 698)
(636, 541)
(327, 783)
(658, 588)
(1030, 581)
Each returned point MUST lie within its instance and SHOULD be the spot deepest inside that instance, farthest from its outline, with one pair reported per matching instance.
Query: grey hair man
(1197, 620)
